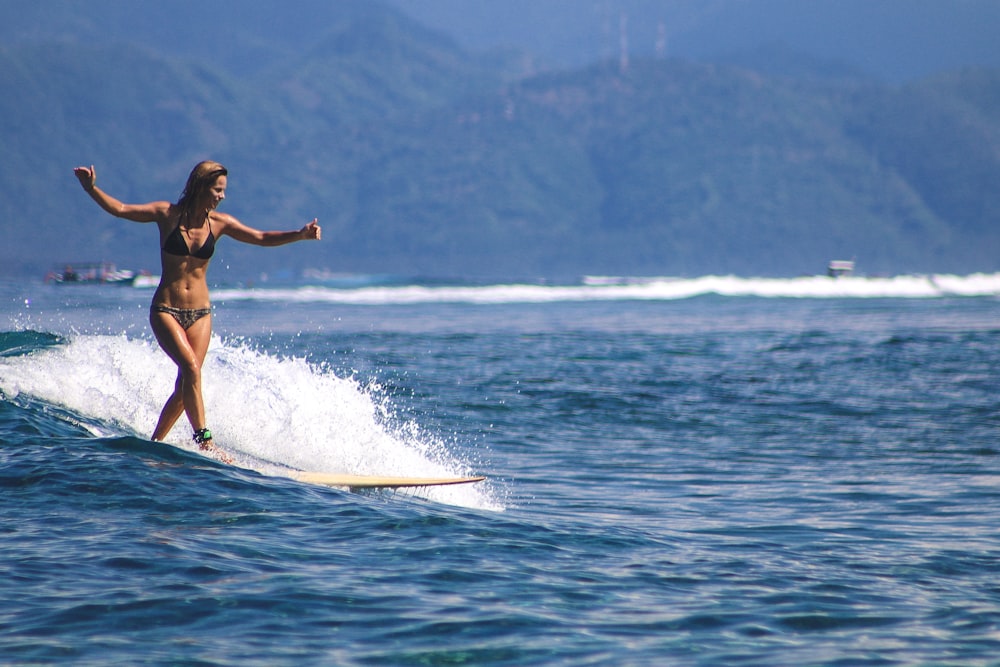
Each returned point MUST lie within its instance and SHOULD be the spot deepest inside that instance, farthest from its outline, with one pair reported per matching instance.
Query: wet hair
(201, 179)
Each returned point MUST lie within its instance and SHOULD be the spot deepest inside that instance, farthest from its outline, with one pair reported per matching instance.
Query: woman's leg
(171, 412)
(187, 349)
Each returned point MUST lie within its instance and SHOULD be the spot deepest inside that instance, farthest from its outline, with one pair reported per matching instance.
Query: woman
(180, 314)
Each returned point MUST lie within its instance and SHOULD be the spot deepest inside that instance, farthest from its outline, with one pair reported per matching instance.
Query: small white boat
(840, 267)
(145, 279)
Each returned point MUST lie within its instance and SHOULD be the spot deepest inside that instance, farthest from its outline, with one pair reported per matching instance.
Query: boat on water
(145, 279)
(840, 267)
(99, 273)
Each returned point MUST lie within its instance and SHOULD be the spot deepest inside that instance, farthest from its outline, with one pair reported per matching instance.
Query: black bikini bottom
(186, 317)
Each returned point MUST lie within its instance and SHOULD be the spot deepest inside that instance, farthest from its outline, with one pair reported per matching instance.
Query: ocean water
(717, 471)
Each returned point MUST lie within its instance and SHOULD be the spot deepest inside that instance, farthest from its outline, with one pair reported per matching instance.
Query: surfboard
(341, 480)
(377, 481)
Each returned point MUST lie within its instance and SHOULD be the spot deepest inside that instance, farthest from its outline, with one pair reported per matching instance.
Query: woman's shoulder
(224, 221)
(164, 213)
(225, 218)
(163, 209)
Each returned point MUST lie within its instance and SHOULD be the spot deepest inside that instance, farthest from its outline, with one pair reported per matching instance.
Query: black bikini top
(176, 245)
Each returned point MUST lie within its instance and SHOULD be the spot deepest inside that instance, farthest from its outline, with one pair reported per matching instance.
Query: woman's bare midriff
(183, 284)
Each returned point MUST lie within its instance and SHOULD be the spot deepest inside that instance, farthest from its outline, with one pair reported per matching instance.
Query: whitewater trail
(270, 413)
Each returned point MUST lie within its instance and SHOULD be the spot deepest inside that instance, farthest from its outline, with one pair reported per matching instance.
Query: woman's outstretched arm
(151, 212)
(241, 232)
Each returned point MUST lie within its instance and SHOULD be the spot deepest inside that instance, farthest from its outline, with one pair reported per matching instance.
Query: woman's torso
(183, 282)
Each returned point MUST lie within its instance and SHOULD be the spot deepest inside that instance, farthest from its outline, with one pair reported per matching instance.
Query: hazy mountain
(421, 156)
(896, 40)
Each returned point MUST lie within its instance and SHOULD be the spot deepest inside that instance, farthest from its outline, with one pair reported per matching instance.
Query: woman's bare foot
(204, 439)
(209, 447)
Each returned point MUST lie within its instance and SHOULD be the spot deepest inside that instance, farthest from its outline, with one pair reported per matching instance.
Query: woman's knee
(189, 372)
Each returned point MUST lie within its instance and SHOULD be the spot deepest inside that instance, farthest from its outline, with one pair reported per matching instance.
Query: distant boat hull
(145, 280)
(100, 273)
(840, 267)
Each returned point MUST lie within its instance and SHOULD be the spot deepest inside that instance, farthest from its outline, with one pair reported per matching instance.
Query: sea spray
(111, 380)
(272, 413)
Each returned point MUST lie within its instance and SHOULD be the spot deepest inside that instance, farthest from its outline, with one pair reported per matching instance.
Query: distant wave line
(635, 289)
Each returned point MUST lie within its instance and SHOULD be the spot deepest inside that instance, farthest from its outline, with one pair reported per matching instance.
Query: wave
(273, 414)
(18, 343)
(618, 288)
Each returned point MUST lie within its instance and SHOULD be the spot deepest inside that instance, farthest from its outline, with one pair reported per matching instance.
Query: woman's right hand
(87, 177)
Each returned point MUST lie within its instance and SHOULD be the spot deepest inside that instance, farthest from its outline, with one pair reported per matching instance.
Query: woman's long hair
(201, 179)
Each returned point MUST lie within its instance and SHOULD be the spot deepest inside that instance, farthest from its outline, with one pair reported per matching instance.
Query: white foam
(611, 288)
(271, 413)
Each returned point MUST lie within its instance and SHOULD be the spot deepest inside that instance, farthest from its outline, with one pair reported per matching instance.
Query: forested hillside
(422, 158)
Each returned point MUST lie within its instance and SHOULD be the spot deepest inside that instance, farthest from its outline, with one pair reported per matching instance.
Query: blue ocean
(708, 471)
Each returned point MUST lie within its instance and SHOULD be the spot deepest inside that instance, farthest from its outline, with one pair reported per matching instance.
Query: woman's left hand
(312, 230)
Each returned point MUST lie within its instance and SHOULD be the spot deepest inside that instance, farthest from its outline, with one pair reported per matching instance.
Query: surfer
(180, 314)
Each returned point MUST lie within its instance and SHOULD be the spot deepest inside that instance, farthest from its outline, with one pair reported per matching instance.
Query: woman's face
(216, 193)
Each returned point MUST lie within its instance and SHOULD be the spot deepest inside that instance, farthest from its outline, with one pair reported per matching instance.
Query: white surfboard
(378, 481)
